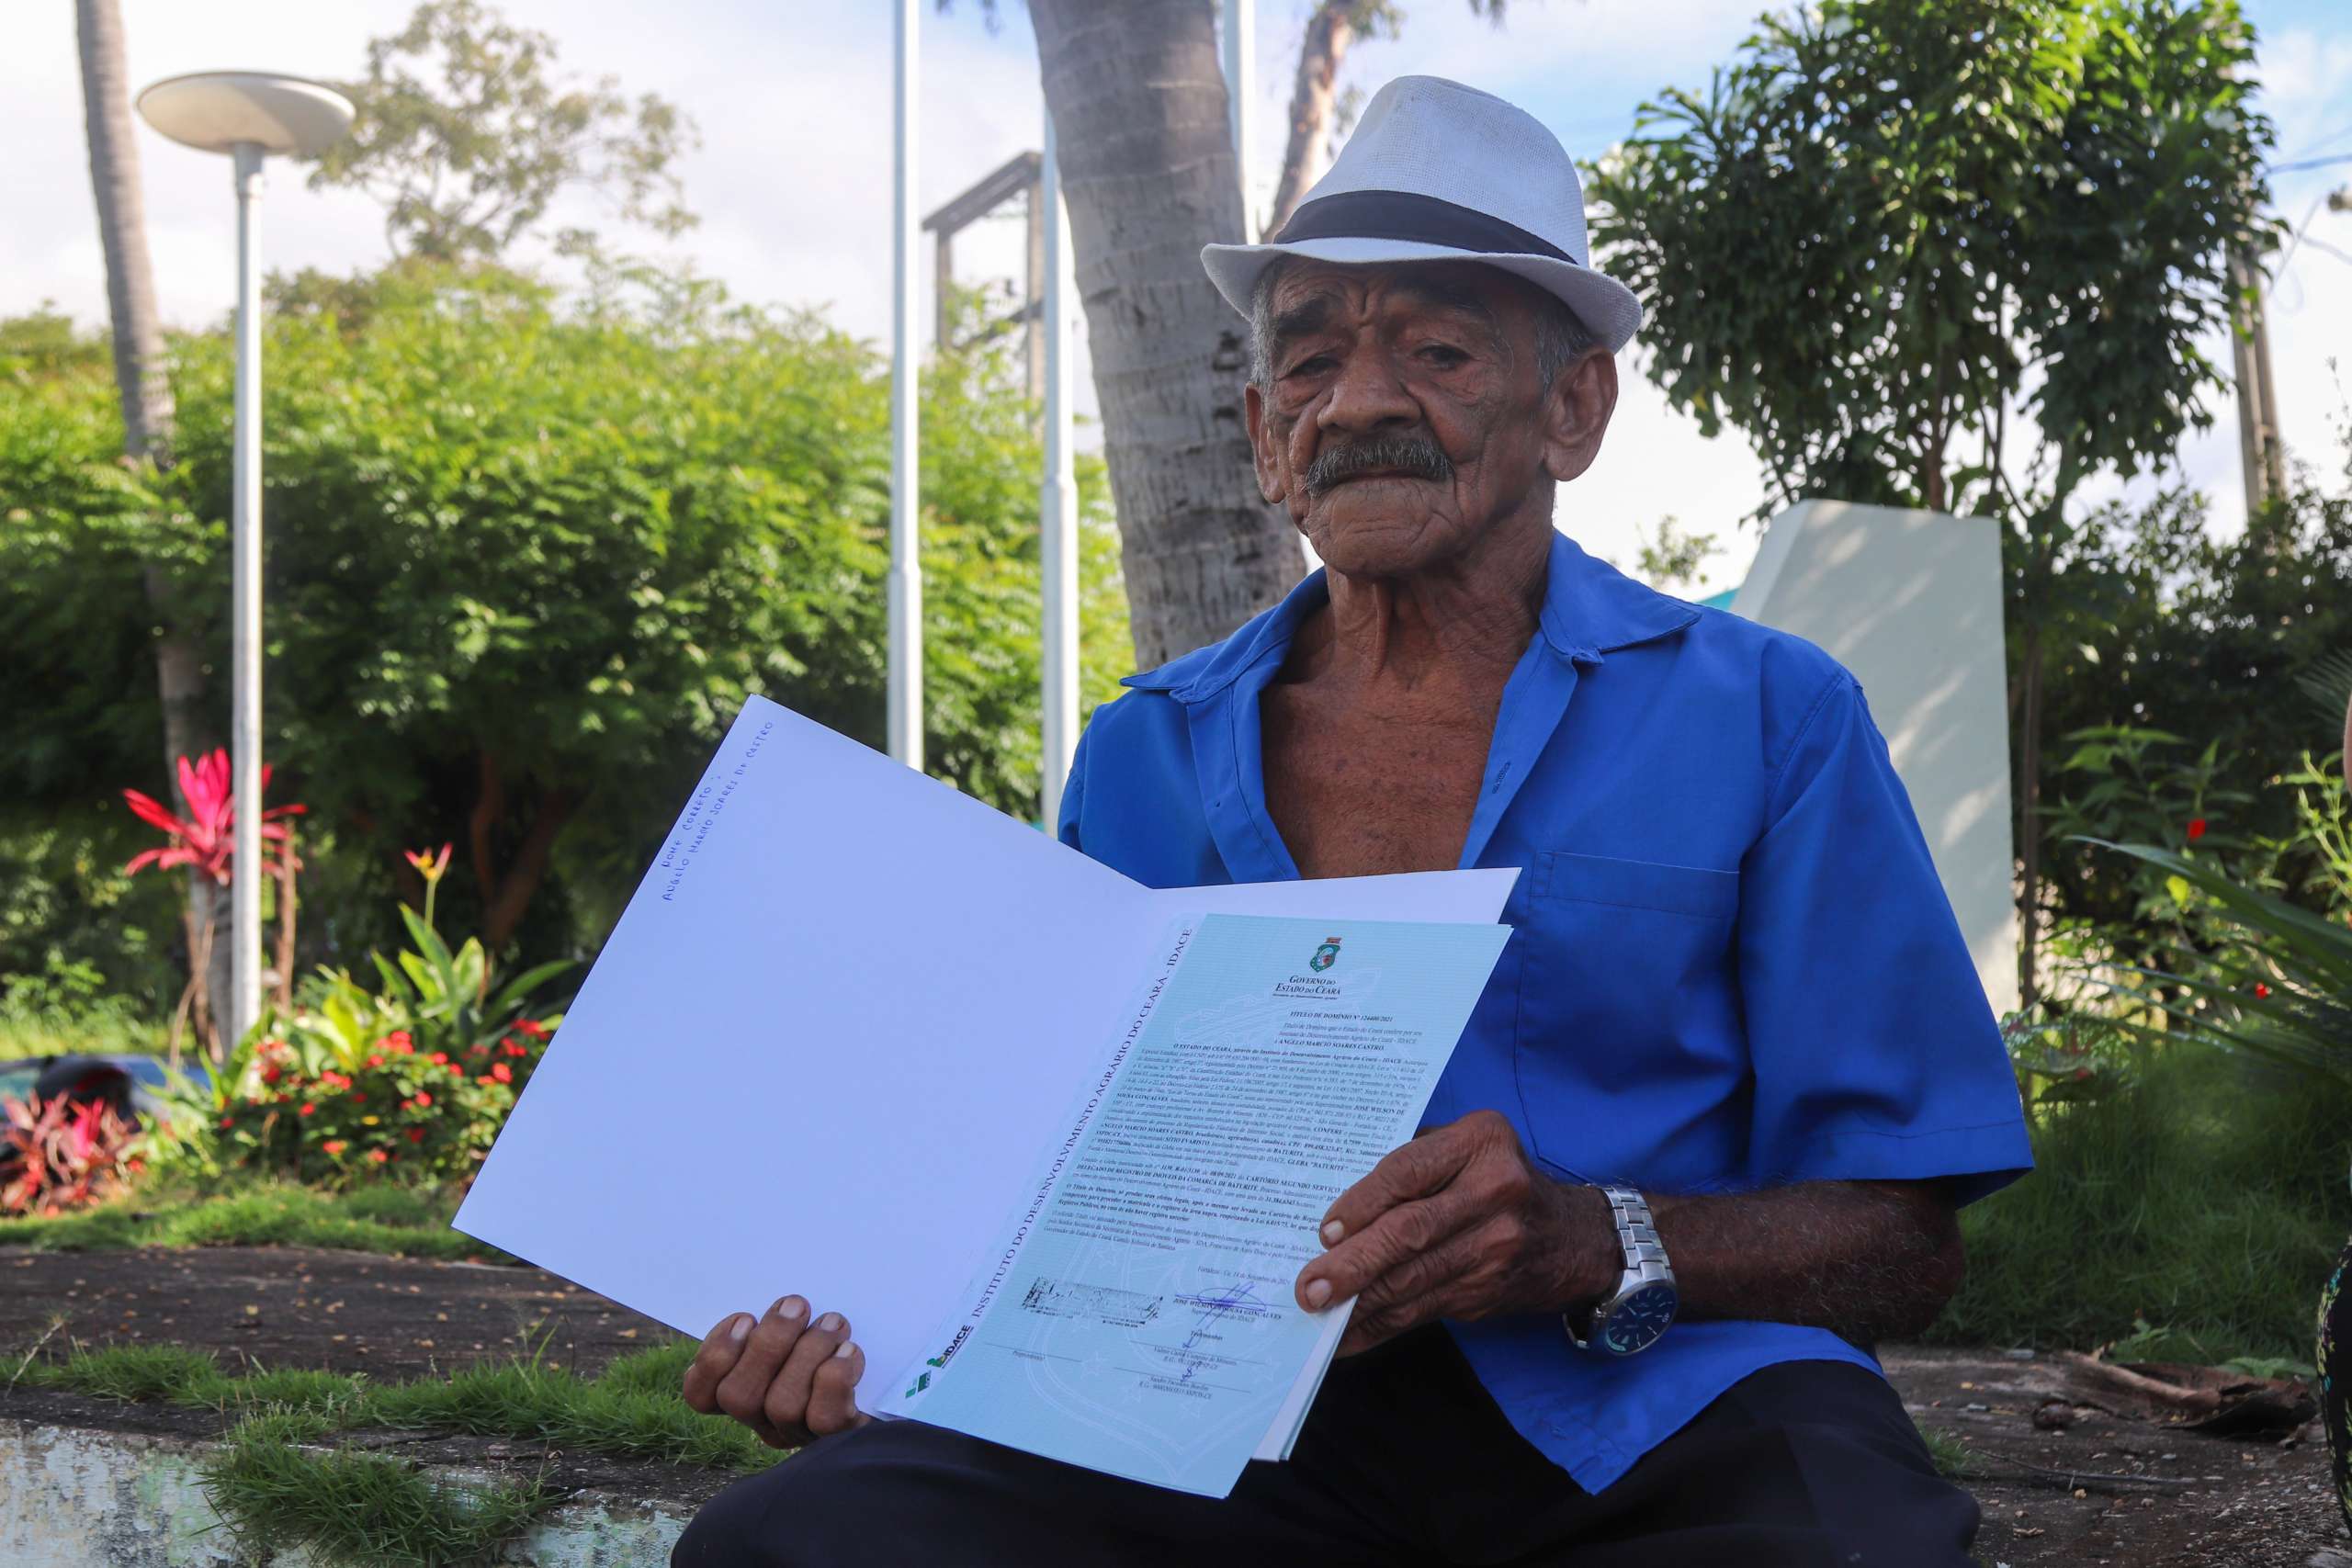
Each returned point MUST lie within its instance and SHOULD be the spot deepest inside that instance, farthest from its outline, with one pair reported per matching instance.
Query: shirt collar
(1589, 609)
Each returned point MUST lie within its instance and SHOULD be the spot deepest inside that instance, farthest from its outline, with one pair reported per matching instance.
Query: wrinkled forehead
(1307, 294)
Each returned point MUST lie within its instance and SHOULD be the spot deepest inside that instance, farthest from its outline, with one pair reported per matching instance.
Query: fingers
(1454, 1270)
(1366, 1329)
(721, 1347)
(833, 1393)
(1413, 1170)
(1418, 1198)
(786, 1398)
(1462, 1278)
(1387, 1244)
(743, 1391)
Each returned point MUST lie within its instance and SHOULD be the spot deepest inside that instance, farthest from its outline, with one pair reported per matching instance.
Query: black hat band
(1423, 220)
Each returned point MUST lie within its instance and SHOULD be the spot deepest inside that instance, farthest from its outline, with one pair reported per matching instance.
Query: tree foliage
(466, 135)
(1890, 227)
(524, 565)
(1955, 254)
(2166, 627)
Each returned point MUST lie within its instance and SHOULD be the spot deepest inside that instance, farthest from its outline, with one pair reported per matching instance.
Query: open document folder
(861, 1037)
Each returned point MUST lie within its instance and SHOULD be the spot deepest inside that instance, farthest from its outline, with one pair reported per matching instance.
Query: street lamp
(248, 115)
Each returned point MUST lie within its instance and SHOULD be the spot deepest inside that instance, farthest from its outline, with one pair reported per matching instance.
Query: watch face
(1638, 1320)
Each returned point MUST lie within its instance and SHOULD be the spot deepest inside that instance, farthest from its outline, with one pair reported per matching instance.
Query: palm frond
(2280, 987)
(2328, 680)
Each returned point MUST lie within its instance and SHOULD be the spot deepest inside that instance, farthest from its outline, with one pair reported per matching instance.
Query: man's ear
(1265, 456)
(1575, 413)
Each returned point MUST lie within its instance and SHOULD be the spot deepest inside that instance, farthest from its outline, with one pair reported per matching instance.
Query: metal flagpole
(1058, 499)
(904, 724)
(245, 615)
(1240, 89)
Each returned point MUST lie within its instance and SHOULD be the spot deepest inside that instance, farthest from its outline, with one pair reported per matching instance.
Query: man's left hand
(1456, 1224)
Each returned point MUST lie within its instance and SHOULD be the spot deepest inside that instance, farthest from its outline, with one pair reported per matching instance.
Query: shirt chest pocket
(1629, 1043)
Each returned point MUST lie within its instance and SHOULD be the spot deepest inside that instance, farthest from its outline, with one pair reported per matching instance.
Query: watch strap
(1644, 1255)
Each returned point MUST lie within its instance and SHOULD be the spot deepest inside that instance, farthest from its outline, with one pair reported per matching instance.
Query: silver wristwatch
(1635, 1315)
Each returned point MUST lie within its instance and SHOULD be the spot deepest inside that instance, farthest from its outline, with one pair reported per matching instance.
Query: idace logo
(1325, 955)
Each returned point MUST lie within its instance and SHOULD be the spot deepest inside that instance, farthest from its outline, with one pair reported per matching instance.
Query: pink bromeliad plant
(206, 840)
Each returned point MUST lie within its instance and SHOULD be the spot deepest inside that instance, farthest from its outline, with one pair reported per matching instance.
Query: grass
(274, 1490)
(400, 1221)
(632, 1410)
(278, 1481)
(2205, 1197)
(107, 1026)
(1953, 1461)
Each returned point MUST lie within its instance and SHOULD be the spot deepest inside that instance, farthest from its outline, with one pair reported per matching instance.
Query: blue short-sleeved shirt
(1733, 965)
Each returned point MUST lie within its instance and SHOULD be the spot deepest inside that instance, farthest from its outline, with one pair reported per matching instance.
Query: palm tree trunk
(1312, 97)
(1139, 109)
(140, 377)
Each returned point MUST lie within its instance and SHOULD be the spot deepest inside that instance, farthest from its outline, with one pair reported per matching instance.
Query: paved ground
(2147, 1495)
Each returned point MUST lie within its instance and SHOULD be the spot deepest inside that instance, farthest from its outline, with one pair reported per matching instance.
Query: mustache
(1416, 456)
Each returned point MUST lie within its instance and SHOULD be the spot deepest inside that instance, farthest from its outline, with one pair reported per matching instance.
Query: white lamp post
(247, 115)
(1057, 511)
(903, 718)
(1240, 91)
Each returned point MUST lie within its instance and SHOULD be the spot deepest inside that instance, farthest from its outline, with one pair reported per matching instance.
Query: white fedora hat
(1437, 171)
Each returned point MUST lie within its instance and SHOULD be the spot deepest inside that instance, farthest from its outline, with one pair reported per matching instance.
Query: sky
(793, 175)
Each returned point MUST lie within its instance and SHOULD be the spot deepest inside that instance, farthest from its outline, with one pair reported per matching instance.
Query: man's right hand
(788, 1380)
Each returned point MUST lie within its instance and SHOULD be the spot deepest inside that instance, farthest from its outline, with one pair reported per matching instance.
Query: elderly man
(1701, 1145)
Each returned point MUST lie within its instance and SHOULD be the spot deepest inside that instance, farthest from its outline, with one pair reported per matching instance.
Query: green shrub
(412, 1081)
(2201, 1193)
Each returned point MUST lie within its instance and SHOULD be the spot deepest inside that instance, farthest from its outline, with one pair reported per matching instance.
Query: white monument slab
(1911, 602)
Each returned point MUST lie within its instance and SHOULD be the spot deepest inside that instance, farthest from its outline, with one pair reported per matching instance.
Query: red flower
(2195, 829)
(478, 1050)
(503, 1073)
(516, 1048)
(400, 1040)
(272, 1072)
(439, 1058)
(227, 1123)
(334, 1145)
(532, 1027)
(376, 1060)
(422, 1100)
(206, 837)
(306, 1110)
(357, 1097)
(379, 1155)
(456, 1071)
(416, 1134)
(2260, 990)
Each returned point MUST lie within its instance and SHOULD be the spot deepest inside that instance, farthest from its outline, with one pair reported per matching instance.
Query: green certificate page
(1138, 1315)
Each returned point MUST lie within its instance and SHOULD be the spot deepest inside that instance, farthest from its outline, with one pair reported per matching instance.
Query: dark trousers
(1404, 1460)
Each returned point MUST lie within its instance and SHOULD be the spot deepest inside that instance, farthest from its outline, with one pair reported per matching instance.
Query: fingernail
(1318, 1291)
(792, 1307)
(739, 1328)
(830, 1323)
(1332, 1231)
(849, 1348)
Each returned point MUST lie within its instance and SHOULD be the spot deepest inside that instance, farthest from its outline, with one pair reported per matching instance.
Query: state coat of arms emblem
(1325, 955)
